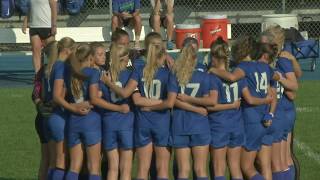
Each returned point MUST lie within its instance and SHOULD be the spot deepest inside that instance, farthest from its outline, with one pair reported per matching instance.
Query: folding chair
(308, 49)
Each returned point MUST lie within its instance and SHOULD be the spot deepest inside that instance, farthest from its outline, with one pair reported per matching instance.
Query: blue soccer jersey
(117, 120)
(157, 90)
(284, 66)
(187, 122)
(228, 93)
(57, 72)
(258, 76)
(130, 6)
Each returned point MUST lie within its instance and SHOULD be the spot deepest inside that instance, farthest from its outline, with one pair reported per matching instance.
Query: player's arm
(291, 95)
(228, 76)
(141, 101)
(122, 92)
(189, 107)
(289, 81)
(170, 4)
(54, 15)
(166, 104)
(295, 63)
(207, 100)
(59, 99)
(97, 101)
(254, 100)
(273, 104)
(222, 107)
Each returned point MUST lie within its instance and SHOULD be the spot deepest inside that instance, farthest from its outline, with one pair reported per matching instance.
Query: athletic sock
(257, 177)
(220, 178)
(291, 172)
(278, 175)
(49, 174)
(57, 174)
(202, 178)
(72, 176)
(94, 177)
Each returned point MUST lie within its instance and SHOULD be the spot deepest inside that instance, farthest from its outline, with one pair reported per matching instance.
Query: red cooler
(214, 26)
(187, 30)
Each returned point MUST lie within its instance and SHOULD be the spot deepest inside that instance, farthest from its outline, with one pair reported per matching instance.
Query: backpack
(74, 6)
(22, 6)
(7, 8)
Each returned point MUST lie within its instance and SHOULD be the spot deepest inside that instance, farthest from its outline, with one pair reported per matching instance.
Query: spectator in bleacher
(163, 16)
(127, 13)
(42, 20)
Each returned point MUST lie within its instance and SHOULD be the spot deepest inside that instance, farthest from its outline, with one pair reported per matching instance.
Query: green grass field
(19, 145)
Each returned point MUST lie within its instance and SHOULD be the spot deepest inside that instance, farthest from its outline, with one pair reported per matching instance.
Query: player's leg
(52, 158)
(44, 162)
(155, 22)
(233, 157)
(200, 156)
(219, 162)
(162, 162)
(126, 156)
(183, 162)
(247, 165)
(94, 160)
(76, 159)
(276, 161)
(264, 157)
(170, 22)
(144, 155)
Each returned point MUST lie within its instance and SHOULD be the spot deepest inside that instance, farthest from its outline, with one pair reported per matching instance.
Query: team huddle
(95, 107)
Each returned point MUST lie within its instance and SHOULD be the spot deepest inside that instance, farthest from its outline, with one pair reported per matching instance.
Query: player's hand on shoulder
(106, 78)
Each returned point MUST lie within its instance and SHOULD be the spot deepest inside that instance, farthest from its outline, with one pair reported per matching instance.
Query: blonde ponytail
(117, 53)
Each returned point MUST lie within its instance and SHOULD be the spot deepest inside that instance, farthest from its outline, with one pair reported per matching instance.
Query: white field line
(306, 150)
(308, 109)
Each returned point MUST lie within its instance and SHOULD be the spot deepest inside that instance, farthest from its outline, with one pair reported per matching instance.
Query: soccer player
(125, 13)
(190, 126)
(153, 122)
(42, 19)
(59, 53)
(257, 119)
(289, 70)
(83, 131)
(163, 15)
(227, 129)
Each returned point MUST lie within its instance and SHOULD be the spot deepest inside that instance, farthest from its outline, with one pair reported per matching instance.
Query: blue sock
(220, 178)
(49, 175)
(291, 173)
(94, 177)
(57, 174)
(72, 176)
(278, 176)
(202, 178)
(257, 177)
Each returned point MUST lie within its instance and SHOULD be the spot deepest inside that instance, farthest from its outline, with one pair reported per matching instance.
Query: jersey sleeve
(115, 6)
(285, 65)
(242, 83)
(94, 77)
(173, 85)
(242, 67)
(212, 83)
(59, 70)
(135, 75)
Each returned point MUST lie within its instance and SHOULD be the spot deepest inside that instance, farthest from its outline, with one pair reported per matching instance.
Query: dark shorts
(42, 129)
(43, 33)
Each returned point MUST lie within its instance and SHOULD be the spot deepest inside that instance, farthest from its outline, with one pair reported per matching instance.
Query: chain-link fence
(244, 15)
